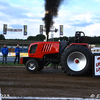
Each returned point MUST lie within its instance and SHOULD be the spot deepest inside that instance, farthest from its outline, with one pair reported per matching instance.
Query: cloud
(18, 11)
(92, 30)
(97, 0)
(16, 26)
(12, 11)
(86, 21)
(15, 35)
(81, 24)
(15, 13)
(82, 17)
(15, 16)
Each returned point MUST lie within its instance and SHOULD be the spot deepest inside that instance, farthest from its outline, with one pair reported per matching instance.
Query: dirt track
(16, 81)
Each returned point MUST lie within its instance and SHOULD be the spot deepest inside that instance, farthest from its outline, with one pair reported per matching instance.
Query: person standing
(17, 53)
(4, 51)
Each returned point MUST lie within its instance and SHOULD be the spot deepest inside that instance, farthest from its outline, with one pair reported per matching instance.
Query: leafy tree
(36, 38)
(2, 37)
(31, 38)
(63, 38)
(40, 37)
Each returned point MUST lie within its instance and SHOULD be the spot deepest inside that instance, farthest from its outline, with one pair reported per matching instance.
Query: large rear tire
(77, 60)
(32, 65)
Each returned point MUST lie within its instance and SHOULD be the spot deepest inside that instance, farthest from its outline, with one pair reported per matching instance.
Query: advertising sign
(25, 29)
(4, 29)
(97, 64)
(12, 54)
(61, 29)
(14, 30)
(41, 29)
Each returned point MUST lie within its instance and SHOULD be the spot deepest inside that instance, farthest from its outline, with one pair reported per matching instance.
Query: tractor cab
(79, 37)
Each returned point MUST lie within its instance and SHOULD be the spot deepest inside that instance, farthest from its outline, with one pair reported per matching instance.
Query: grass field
(97, 45)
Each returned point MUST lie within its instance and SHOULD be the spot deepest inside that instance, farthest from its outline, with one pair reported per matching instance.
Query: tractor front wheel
(32, 65)
(77, 60)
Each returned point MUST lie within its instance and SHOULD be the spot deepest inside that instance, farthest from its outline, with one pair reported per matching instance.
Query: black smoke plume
(51, 10)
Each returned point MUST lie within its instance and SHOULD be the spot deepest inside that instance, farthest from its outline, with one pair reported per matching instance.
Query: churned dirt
(17, 81)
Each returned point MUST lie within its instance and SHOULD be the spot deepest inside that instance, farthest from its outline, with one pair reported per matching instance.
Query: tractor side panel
(44, 48)
(82, 44)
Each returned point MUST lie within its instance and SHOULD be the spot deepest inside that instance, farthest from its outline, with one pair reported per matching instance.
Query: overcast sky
(75, 15)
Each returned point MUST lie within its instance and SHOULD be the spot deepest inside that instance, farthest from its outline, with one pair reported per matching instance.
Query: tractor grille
(46, 47)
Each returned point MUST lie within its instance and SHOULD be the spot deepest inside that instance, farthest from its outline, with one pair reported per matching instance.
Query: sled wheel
(77, 60)
(32, 65)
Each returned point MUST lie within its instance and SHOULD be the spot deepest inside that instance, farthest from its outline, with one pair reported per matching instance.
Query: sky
(74, 15)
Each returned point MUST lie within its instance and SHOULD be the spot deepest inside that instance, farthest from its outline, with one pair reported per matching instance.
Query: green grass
(11, 64)
(97, 45)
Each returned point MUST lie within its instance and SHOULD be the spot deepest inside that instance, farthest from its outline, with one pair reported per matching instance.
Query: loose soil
(17, 81)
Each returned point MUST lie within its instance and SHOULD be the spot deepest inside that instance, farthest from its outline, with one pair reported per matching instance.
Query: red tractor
(75, 58)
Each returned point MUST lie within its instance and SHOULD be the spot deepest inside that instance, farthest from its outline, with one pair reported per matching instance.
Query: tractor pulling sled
(75, 58)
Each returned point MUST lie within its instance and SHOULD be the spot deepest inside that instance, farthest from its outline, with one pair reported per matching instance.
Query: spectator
(4, 51)
(17, 52)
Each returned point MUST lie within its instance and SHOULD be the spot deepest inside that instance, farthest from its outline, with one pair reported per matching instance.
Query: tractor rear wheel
(32, 65)
(77, 60)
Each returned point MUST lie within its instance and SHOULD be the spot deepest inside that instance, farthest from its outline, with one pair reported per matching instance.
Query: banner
(61, 29)
(41, 29)
(14, 30)
(5, 29)
(12, 54)
(96, 64)
(25, 29)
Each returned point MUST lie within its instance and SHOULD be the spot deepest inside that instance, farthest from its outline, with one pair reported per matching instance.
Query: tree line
(30, 38)
(88, 39)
